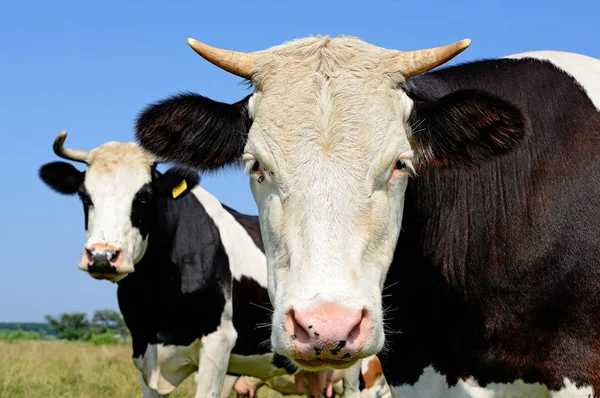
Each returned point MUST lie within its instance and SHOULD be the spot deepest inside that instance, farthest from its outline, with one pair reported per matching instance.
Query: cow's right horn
(416, 62)
(240, 64)
(76, 155)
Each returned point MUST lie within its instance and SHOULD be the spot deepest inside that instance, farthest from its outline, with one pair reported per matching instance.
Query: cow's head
(118, 190)
(330, 139)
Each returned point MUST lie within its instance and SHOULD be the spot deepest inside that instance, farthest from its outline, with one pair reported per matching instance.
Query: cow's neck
(455, 288)
(155, 265)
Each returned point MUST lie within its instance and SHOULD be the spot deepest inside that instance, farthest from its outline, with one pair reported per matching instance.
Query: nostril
(298, 331)
(361, 324)
(89, 255)
(113, 256)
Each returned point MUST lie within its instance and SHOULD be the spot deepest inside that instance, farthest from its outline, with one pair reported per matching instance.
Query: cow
(191, 272)
(475, 185)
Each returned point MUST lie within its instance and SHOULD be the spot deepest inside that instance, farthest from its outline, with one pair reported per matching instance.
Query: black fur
(184, 268)
(496, 274)
(142, 209)
(86, 201)
(466, 127)
(195, 130)
(164, 183)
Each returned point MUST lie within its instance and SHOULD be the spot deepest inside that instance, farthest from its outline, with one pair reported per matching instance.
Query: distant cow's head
(329, 138)
(119, 191)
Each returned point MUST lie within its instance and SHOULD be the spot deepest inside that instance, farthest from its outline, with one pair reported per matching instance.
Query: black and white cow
(494, 242)
(191, 271)
(199, 287)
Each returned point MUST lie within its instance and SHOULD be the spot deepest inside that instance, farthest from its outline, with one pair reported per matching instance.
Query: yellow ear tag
(179, 189)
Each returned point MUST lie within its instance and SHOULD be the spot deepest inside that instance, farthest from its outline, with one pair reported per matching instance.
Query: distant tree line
(43, 329)
(105, 327)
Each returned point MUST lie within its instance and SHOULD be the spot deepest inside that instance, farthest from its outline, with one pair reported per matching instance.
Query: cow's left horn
(240, 64)
(414, 63)
(76, 155)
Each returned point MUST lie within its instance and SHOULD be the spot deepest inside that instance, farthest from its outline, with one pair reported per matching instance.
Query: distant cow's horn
(413, 63)
(240, 64)
(76, 155)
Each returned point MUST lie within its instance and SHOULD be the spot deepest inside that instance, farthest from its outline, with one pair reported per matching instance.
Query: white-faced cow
(494, 246)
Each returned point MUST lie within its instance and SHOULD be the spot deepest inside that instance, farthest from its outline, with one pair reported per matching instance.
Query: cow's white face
(116, 191)
(327, 139)
(329, 157)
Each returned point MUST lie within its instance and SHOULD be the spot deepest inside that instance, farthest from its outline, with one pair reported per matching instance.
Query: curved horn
(420, 61)
(240, 64)
(76, 155)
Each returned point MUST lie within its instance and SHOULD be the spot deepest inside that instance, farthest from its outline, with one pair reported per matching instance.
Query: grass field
(50, 369)
(64, 369)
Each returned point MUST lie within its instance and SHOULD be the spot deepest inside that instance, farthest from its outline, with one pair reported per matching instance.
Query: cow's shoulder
(240, 236)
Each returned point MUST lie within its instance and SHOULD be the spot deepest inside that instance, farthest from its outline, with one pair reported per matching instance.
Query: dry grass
(61, 369)
(46, 369)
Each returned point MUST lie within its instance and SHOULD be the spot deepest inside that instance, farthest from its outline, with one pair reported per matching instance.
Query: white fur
(214, 356)
(116, 171)
(147, 392)
(432, 384)
(585, 70)
(329, 124)
(163, 368)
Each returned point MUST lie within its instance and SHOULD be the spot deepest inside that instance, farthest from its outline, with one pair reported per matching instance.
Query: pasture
(74, 369)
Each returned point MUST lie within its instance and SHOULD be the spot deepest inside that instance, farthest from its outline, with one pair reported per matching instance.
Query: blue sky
(89, 67)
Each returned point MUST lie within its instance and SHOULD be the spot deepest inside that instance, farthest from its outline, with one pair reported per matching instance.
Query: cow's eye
(142, 199)
(257, 171)
(400, 164)
(403, 166)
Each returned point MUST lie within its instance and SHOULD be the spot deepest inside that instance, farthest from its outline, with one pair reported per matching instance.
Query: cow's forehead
(334, 57)
(126, 162)
(331, 99)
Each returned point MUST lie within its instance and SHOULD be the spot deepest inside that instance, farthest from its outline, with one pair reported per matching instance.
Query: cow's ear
(175, 182)
(62, 177)
(195, 131)
(465, 127)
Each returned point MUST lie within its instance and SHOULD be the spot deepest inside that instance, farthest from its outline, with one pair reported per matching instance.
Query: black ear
(62, 177)
(195, 131)
(170, 183)
(465, 127)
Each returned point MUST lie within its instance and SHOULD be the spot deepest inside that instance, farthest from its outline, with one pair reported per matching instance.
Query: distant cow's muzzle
(102, 259)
